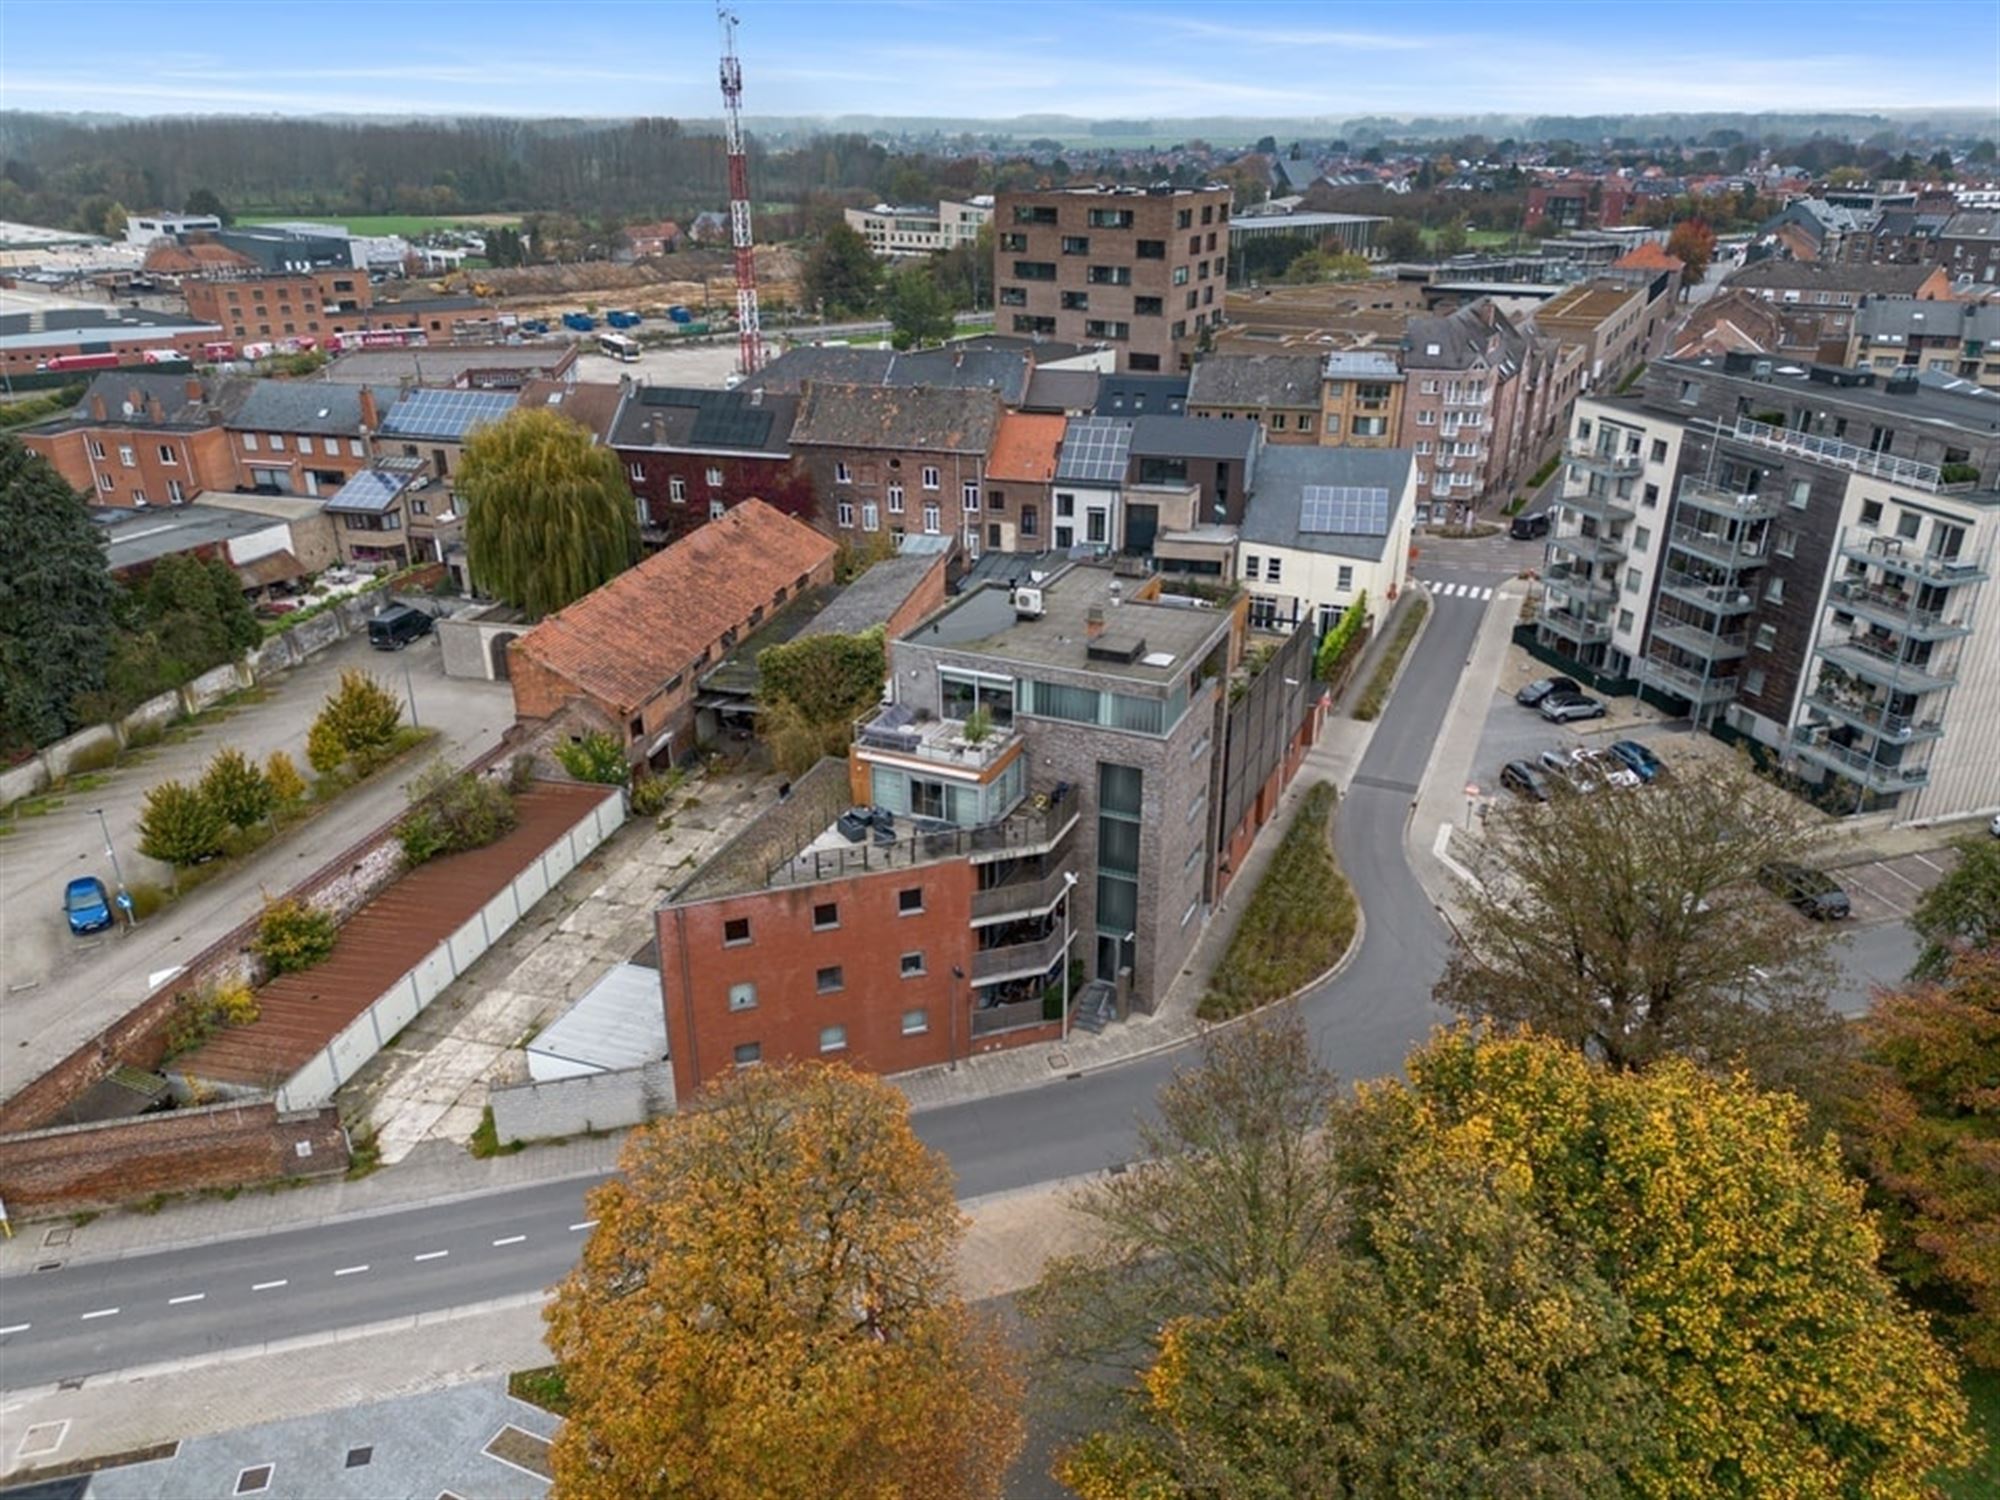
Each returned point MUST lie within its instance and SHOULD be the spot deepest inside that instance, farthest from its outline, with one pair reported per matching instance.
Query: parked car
(1813, 892)
(1519, 776)
(87, 904)
(1560, 770)
(1527, 528)
(1599, 766)
(1544, 687)
(1566, 710)
(397, 626)
(1644, 763)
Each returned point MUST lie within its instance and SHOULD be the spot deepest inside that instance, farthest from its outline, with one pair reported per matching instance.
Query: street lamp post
(117, 874)
(410, 689)
(1069, 884)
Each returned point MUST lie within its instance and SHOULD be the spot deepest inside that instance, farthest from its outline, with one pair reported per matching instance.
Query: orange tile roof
(1648, 257)
(621, 643)
(1026, 446)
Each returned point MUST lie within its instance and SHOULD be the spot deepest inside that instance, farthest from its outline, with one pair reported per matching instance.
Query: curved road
(93, 1317)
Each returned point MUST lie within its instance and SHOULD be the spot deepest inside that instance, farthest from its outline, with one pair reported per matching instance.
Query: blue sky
(997, 58)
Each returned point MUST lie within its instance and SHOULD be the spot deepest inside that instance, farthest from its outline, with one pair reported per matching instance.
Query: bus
(99, 361)
(618, 346)
(376, 338)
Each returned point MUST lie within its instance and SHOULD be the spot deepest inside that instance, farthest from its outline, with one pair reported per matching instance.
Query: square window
(912, 965)
(1659, 453)
(748, 1054)
(1801, 493)
(359, 1458)
(1908, 524)
(916, 1022)
(743, 996)
(1767, 637)
(1871, 513)
(830, 979)
(735, 932)
(826, 914)
(1625, 619)
(833, 1039)
(1753, 681)
(909, 902)
(254, 1481)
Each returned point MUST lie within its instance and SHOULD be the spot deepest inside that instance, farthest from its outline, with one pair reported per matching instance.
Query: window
(912, 965)
(254, 1481)
(916, 1022)
(105, 482)
(841, 474)
(829, 980)
(1427, 419)
(1271, 569)
(1651, 496)
(677, 490)
(1014, 244)
(715, 478)
(126, 457)
(910, 901)
(1030, 521)
(360, 1458)
(1076, 244)
(1774, 591)
(844, 514)
(930, 477)
(1034, 270)
(1625, 619)
(1785, 542)
(354, 448)
(277, 442)
(1180, 275)
(1767, 637)
(1148, 307)
(1251, 562)
(1689, 393)
(1908, 524)
(716, 509)
(1076, 301)
(735, 930)
(1096, 526)
(139, 497)
(1642, 538)
(1753, 682)
(167, 454)
(1277, 421)
(1871, 513)
(743, 996)
(1184, 219)
(968, 495)
(1632, 580)
(833, 1039)
(871, 519)
(826, 914)
(97, 449)
(748, 1054)
(1150, 249)
(1013, 296)
(1659, 454)
(895, 493)
(1304, 423)
(1344, 580)
(933, 520)
(1430, 388)
(1030, 213)
(175, 493)
(1801, 493)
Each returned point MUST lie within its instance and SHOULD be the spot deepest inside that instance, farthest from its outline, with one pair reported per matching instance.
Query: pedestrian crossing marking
(1473, 592)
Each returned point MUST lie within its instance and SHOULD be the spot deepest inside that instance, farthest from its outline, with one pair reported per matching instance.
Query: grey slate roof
(1141, 395)
(305, 406)
(1272, 516)
(1973, 223)
(1831, 276)
(1002, 370)
(1463, 336)
(922, 417)
(1194, 437)
(687, 417)
(1061, 391)
(1255, 380)
(120, 391)
(873, 597)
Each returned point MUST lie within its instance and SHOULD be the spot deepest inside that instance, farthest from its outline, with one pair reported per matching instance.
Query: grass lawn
(406, 225)
(1982, 1389)
(1478, 239)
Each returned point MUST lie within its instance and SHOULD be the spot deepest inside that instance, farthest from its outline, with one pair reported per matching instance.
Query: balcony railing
(1732, 551)
(1594, 460)
(1027, 830)
(1721, 502)
(1693, 686)
(1811, 744)
(1873, 718)
(1019, 897)
(1607, 506)
(1858, 655)
(1711, 645)
(1897, 611)
(1009, 1017)
(1720, 598)
(1579, 582)
(1599, 548)
(1889, 554)
(1018, 958)
(1582, 629)
(891, 728)
(1825, 450)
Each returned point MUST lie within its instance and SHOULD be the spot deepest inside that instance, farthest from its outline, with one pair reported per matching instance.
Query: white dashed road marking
(102, 1312)
(265, 1286)
(431, 1255)
(190, 1297)
(512, 1239)
(15, 1328)
(350, 1270)
(586, 1224)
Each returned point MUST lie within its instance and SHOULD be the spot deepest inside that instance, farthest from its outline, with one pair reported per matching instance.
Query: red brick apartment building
(1144, 269)
(689, 455)
(255, 309)
(138, 439)
(629, 654)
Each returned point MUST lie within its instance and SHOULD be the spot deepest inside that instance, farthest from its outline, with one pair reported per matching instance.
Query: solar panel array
(1095, 449)
(446, 414)
(369, 490)
(1345, 510)
(723, 419)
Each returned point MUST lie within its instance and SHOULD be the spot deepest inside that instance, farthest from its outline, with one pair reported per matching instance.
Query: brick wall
(226, 1145)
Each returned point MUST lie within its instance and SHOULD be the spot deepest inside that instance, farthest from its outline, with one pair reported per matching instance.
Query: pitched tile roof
(1255, 380)
(1820, 275)
(1026, 447)
(920, 417)
(621, 643)
(1648, 257)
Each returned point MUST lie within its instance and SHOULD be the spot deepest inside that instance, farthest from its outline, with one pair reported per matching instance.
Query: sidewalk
(1010, 1238)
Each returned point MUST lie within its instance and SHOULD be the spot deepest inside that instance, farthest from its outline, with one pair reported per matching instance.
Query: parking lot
(1887, 890)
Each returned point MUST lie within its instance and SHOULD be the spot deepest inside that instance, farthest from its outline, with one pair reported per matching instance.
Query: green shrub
(179, 826)
(651, 794)
(1376, 694)
(357, 726)
(100, 756)
(199, 1014)
(452, 811)
(596, 756)
(486, 1139)
(1300, 920)
(288, 787)
(292, 935)
(1959, 474)
(543, 1387)
(1343, 640)
(147, 899)
(238, 789)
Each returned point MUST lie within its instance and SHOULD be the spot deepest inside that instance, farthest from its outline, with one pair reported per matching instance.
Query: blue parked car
(87, 904)
(1644, 763)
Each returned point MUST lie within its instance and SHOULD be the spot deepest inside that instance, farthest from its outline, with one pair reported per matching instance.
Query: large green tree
(842, 274)
(548, 515)
(1963, 909)
(58, 605)
(919, 312)
(196, 613)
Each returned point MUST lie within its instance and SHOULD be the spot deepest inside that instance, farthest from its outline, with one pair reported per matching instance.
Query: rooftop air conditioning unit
(1028, 604)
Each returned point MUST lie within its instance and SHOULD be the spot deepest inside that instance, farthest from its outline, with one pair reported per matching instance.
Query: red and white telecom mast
(749, 335)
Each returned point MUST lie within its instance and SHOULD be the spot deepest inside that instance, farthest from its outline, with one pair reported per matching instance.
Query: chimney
(1093, 622)
(369, 416)
(193, 388)
(155, 411)
(97, 410)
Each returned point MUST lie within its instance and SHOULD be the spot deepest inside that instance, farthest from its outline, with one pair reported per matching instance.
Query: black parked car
(1532, 695)
(1813, 892)
(1527, 528)
(1521, 777)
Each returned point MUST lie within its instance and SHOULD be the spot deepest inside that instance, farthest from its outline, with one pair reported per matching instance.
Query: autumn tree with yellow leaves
(1546, 1277)
(766, 1310)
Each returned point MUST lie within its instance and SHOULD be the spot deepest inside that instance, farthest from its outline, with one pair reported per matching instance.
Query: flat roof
(136, 537)
(59, 327)
(1943, 400)
(984, 622)
(619, 1022)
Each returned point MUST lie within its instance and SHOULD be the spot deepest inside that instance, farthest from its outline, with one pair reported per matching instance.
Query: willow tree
(548, 517)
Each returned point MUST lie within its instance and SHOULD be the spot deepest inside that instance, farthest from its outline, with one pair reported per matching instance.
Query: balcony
(1709, 645)
(1872, 717)
(1717, 501)
(1035, 826)
(1587, 458)
(1019, 898)
(1729, 549)
(1700, 690)
(1896, 611)
(894, 729)
(1585, 630)
(1019, 960)
(1605, 507)
(991, 1019)
(1810, 743)
(1889, 554)
(1716, 598)
(1825, 450)
(1593, 549)
(1579, 583)
(1871, 663)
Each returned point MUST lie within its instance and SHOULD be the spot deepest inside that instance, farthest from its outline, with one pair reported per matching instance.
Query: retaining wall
(591, 1101)
(226, 1145)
